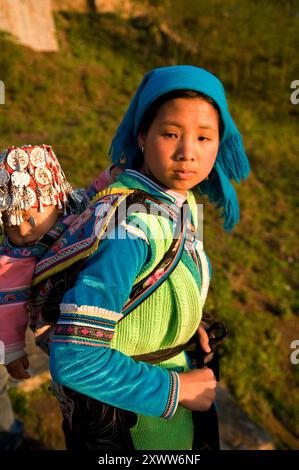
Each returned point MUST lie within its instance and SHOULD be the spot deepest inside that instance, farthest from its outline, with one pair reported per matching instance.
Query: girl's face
(181, 145)
(24, 234)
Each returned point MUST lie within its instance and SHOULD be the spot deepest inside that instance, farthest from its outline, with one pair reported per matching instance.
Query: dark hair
(151, 112)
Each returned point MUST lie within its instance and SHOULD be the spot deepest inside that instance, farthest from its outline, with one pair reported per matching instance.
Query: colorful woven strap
(147, 286)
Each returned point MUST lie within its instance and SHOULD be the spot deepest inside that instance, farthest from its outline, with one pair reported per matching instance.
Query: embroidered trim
(67, 255)
(90, 310)
(85, 343)
(14, 296)
(172, 401)
(98, 335)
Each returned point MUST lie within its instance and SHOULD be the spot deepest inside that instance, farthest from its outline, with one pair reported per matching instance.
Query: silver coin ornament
(43, 175)
(37, 157)
(20, 178)
(31, 196)
(45, 198)
(17, 159)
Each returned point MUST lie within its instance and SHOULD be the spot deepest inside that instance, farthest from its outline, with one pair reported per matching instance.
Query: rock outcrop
(31, 22)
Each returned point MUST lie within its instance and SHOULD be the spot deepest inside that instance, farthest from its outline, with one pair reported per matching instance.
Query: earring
(142, 148)
(122, 159)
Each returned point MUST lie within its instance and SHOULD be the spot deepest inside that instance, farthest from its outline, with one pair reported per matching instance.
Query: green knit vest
(169, 317)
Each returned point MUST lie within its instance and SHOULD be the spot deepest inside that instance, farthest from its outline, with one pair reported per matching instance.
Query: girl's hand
(17, 369)
(197, 389)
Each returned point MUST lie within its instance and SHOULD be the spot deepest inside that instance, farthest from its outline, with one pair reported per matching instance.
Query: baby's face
(26, 234)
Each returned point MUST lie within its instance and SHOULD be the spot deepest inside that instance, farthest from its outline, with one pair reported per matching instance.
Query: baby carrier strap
(62, 273)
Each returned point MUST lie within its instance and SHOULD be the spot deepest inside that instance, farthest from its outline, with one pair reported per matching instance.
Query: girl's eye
(170, 134)
(202, 138)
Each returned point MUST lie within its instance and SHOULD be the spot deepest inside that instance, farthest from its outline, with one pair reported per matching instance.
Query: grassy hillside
(74, 100)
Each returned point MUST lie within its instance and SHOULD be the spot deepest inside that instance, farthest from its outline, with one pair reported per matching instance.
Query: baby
(36, 202)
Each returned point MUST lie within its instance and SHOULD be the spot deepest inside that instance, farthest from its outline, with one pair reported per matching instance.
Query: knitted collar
(158, 189)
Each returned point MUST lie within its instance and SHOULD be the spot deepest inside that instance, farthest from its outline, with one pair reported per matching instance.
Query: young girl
(176, 140)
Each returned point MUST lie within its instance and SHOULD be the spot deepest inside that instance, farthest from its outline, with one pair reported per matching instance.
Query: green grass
(40, 412)
(74, 100)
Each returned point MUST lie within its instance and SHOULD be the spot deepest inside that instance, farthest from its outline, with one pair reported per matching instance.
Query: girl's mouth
(183, 174)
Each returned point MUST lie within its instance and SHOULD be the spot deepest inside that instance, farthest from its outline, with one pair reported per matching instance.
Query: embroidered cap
(31, 177)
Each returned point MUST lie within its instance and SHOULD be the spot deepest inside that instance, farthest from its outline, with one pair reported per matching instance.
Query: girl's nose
(185, 151)
(184, 157)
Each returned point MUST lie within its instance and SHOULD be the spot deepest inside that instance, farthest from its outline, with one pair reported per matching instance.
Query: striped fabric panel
(82, 320)
(173, 397)
(85, 324)
(14, 295)
(81, 334)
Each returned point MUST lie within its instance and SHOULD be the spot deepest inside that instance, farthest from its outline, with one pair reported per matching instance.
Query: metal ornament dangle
(4, 177)
(4, 200)
(39, 195)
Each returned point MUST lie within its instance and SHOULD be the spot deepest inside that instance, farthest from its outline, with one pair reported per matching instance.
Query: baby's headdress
(31, 177)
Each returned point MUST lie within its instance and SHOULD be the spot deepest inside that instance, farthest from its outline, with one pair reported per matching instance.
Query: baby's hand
(17, 368)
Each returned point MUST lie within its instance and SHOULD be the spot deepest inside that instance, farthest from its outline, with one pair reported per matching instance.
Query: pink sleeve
(102, 180)
(15, 282)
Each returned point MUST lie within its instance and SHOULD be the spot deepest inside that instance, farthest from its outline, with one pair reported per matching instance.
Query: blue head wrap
(231, 162)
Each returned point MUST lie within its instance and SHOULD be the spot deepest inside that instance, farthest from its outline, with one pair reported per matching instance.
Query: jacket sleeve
(15, 281)
(81, 357)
